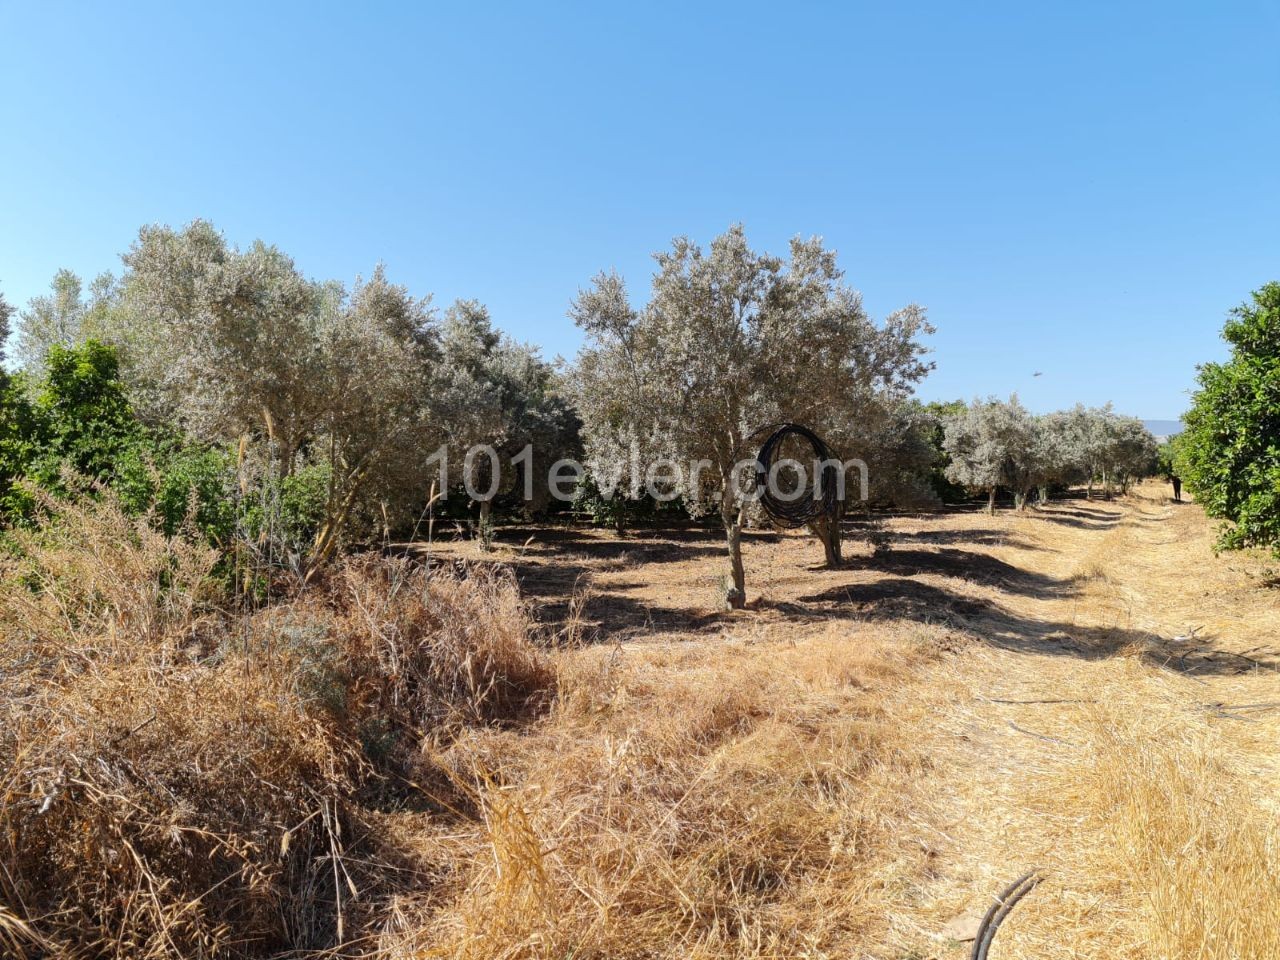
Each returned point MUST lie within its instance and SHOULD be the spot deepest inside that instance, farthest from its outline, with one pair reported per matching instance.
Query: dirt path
(1061, 762)
(1085, 690)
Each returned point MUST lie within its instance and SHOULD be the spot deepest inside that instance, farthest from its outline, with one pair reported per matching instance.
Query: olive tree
(730, 341)
(992, 444)
(1055, 452)
(500, 404)
(893, 437)
(236, 344)
(6, 311)
(1100, 445)
(1091, 435)
(229, 340)
(63, 318)
(373, 426)
(163, 306)
(616, 386)
(1132, 452)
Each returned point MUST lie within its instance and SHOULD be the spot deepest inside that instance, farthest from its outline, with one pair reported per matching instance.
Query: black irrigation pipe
(1007, 900)
(821, 502)
(1040, 736)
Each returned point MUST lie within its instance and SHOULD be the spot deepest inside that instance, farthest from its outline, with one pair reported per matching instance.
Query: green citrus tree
(1229, 456)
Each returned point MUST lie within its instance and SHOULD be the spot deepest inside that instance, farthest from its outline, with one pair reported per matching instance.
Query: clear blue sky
(1081, 189)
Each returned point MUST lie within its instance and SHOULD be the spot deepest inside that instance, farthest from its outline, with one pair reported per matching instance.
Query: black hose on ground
(1007, 900)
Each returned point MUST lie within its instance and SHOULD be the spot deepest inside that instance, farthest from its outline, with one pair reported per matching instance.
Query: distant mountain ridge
(1163, 428)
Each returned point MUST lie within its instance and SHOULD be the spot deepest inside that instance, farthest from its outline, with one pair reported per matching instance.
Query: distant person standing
(1177, 489)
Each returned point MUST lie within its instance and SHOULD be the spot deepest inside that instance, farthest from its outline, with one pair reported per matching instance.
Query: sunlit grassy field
(562, 749)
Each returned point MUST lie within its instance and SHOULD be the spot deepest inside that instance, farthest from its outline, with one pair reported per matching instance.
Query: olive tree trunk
(735, 581)
(827, 530)
(486, 525)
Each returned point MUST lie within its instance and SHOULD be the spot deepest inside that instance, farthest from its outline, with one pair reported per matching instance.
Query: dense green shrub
(18, 444)
(183, 483)
(76, 418)
(77, 421)
(947, 490)
(302, 501)
(621, 511)
(1229, 455)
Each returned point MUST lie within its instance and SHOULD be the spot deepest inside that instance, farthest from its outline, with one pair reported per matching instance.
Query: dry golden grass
(421, 652)
(1118, 766)
(1148, 816)
(178, 781)
(741, 800)
(405, 764)
(143, 793)
(1173, 839)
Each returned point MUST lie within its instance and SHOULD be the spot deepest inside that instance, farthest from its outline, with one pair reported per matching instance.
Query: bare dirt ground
(855, 765)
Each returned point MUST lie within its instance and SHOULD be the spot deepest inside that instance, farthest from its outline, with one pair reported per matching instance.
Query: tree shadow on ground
(1079, 522)
(556, 574)
(905, 599)
(988, 537)
(564, 597)
(969, 565)
(651, 545)
(1081, 512)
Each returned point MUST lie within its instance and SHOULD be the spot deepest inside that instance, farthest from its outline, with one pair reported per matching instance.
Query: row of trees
(993, 444)
(230, 372)
(330, 395)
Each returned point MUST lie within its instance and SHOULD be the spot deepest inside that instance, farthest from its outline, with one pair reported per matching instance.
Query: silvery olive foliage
(892, 436)
(615, 389)
(231, 341)
(1101, 445)
(378, 355)
(63, 317)
(496, 393)
(731, 340)
(236, 344)
(6, 311)
(351, 393)
(1132, 453)
(1086, 438)
(360, 386)
(1057, 451)
(995, 444)
(159, 334)
(992, 444)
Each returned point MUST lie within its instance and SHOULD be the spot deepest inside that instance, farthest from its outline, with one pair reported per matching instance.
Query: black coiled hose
(814, 503)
